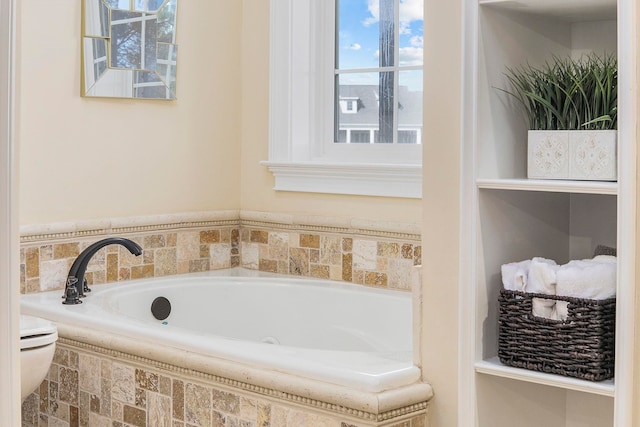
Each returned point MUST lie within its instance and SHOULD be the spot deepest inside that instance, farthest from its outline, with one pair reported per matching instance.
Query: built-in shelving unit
(512, 218)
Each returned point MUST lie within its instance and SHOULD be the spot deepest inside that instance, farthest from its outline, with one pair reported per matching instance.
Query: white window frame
(301, 115)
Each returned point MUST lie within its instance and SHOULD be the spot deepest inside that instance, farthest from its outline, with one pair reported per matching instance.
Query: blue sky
(358, 39)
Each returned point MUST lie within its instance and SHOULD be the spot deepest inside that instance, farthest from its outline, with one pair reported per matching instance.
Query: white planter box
(577, 154)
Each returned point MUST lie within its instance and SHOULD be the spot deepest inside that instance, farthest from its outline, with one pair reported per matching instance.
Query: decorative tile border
(335, 225)
(359, 251)
(92, 386)
(127, 225)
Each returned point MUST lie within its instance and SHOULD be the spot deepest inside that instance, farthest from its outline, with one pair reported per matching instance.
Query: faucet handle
(71, 292)
(85, 287)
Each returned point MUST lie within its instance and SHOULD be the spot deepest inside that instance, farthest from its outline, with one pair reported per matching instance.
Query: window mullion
(396, 66)
(375, 69)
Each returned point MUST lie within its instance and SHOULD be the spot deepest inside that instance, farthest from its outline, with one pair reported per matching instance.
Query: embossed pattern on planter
(548, 154)
(576, 154)
(593, 155)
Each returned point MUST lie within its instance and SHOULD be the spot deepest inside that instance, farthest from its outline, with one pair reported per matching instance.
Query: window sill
(385, 180)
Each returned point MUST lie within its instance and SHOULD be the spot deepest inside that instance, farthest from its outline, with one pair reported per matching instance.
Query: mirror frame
(150, 71)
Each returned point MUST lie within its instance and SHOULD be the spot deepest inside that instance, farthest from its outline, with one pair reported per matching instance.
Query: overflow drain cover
(161, 308)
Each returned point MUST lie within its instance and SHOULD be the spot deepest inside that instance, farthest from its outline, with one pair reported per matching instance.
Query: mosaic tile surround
(358, 255)
(92, 386)
(97, 387)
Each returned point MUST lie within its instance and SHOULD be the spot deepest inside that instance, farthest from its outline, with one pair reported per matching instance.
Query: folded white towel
(514, 275)
(605, 258)
(542, 307)
(562, 310)
(588, 279)
(542, 276)
(542, 280)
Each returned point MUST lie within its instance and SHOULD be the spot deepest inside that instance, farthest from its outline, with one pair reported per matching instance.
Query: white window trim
(301, 117)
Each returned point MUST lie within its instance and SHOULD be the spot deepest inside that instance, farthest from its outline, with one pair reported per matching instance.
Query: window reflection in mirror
(129, 48)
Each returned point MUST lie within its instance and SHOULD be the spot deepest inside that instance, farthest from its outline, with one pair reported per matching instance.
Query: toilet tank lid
(32, 326)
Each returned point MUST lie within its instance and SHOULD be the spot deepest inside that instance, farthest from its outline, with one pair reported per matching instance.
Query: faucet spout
(78, 269)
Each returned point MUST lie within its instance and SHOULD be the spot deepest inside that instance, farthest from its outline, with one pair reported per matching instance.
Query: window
(346, 108)
(379, 62)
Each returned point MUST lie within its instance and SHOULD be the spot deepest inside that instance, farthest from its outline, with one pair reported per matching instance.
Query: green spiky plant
(568, 94)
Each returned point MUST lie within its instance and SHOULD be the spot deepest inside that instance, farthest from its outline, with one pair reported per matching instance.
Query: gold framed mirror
(129, 49)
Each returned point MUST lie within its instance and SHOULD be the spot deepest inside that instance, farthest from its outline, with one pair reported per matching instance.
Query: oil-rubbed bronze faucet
(76, 284)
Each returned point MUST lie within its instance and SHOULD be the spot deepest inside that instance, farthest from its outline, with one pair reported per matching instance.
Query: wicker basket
(580, 347)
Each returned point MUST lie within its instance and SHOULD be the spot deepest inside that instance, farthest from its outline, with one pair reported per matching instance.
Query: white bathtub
(341, 334)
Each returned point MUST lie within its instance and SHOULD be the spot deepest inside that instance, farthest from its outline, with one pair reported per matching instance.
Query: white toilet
(37, 344)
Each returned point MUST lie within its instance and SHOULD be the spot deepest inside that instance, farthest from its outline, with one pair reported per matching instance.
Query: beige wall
(257, 181)
(440, 229)
(85, 158)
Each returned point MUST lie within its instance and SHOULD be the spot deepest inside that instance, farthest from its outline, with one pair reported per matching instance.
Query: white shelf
(568, 10)
(557, 186)
(494, 367)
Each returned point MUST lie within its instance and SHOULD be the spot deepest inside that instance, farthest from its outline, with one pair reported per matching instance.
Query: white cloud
(374, 10)
(416, 41)
(411, 10)
(354, 46)
(411, 56)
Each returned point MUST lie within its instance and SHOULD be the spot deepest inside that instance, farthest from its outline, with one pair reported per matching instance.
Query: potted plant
(571, 106)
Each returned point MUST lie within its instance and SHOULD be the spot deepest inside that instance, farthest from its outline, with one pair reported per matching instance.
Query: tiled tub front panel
(94, 387)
